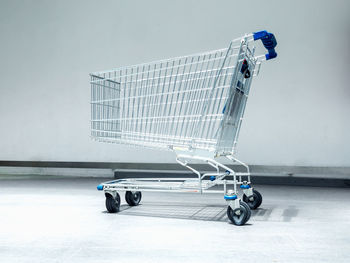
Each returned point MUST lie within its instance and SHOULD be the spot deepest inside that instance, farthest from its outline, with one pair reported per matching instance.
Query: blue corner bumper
(230, 197)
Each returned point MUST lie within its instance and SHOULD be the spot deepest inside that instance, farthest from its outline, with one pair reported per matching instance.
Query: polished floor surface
(52, 219)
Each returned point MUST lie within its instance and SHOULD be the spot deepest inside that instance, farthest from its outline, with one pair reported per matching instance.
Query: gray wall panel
(298, 112)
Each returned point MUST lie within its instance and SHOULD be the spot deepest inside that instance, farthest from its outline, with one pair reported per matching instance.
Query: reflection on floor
(206, 212)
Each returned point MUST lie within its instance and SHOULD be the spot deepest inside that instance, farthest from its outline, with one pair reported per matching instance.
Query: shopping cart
(192, 105)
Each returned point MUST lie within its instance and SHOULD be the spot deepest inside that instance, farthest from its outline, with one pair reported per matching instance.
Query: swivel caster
(255, 201)
(133, 198)
(113, 204)
(239, 216)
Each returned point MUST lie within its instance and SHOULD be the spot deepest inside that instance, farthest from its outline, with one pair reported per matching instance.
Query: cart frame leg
(245, 185)
(235, 160)
(183, 159)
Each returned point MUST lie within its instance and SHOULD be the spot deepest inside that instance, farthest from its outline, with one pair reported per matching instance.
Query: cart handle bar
(269, 41)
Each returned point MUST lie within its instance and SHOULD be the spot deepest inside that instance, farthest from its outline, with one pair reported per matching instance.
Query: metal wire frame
(195, 101)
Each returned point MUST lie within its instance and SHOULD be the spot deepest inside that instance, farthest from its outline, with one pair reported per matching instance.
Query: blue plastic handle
(269, 41)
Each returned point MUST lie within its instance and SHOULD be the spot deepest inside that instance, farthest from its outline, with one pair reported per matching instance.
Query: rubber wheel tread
(130, 198)
(257, 200)
(233, 219)
(113, 205)
(249, 212)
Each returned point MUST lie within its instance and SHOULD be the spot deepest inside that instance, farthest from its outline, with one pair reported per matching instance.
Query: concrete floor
(51, 219)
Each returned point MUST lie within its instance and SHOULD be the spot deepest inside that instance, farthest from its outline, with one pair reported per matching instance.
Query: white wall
(298, 112)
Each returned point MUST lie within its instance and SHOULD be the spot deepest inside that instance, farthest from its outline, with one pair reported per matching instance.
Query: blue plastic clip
(230, 197)
(245, 186)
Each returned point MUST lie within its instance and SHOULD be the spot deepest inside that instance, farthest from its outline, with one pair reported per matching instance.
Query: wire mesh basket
(193, 102)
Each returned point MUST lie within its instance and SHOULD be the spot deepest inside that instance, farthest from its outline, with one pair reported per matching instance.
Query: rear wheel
(256, 202)
(113, 204)
(133, 198)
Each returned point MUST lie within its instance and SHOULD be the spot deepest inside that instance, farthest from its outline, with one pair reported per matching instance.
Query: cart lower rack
(192, 105)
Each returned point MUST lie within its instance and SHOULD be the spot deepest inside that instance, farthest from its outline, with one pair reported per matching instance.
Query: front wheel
(113, 204)
(239, 216)
(133, 198)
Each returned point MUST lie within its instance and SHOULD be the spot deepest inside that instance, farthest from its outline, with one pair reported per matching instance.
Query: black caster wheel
(249, 212)
(113, 204)
(240, 219)
(256, 202)
(133, 198)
